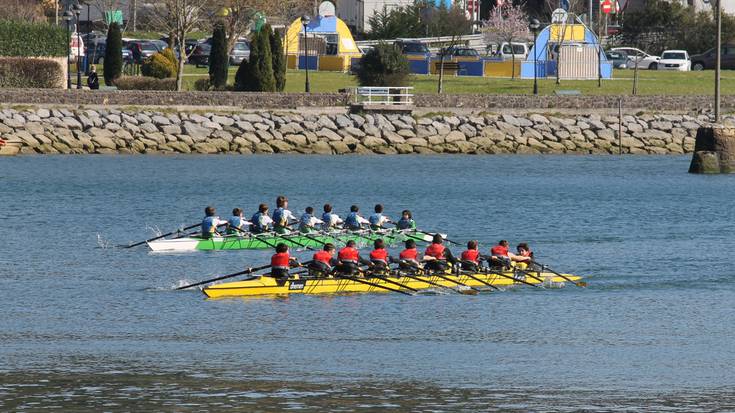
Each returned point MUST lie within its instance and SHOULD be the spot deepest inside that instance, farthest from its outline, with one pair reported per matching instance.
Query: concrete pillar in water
(714, 151)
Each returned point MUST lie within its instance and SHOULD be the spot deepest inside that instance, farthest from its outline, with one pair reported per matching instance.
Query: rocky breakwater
(132, 131)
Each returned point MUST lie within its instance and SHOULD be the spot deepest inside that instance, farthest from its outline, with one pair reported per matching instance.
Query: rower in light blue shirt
(377, 220)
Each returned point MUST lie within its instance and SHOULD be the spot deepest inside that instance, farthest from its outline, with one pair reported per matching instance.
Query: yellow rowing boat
(264, 285)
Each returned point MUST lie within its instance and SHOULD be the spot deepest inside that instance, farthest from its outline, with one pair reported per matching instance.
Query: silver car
(240, 52)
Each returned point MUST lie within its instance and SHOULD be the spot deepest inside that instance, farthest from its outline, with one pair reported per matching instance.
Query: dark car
(96, 53)
(706, 60)
(461, 51)
(413, 48)
(200, 56)
(141, 49)
(618, 59)
(240, 52)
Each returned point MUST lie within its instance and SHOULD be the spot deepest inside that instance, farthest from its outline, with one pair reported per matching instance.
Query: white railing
(384, 95)
(475, 41)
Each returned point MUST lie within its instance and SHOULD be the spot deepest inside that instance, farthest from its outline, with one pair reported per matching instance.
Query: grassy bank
(649, 83)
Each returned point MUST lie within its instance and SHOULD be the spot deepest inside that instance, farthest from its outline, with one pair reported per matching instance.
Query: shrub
(32, 39)
(113, 54)
(24, 72)
(279, 60)
(218, 58)
(256, 73)
(144, 83)
(161, 65)
(383, 65)
(202, 84)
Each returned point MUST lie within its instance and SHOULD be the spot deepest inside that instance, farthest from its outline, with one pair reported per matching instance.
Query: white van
(504, 51)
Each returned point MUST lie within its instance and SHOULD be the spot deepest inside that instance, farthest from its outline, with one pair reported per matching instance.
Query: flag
(565, 4)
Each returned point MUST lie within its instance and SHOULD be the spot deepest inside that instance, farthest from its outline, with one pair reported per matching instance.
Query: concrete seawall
(135, 130)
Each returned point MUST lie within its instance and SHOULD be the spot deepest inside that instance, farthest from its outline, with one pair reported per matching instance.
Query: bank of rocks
(52, 131)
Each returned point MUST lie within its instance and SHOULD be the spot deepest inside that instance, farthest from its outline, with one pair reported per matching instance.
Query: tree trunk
(134, 13)
(441, 73)
(182, 60)
(513, 62)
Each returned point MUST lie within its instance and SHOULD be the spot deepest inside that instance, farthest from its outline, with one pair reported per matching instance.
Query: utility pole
(134, 13)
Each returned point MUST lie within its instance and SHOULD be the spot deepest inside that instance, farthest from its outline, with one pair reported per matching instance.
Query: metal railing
(384, 95)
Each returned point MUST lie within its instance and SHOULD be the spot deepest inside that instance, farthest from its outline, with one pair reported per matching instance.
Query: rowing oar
(454, 281)
(160, 236)
(434, 233)
(514, 279)
(248, 271)
(469, 274)
(543, 267)
(393, 282)
(347, 277)
(458, 291)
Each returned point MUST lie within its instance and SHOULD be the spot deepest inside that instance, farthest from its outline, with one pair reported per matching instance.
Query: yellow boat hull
(269, 285)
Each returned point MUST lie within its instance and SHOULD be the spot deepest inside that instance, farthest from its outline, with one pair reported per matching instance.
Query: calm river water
(83, 327)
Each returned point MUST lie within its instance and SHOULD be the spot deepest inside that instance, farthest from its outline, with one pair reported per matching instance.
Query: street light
(78, 10)
(534, 26)
(305, 19)
(67, 18)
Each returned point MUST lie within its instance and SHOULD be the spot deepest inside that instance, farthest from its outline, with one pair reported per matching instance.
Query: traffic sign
(606, 6)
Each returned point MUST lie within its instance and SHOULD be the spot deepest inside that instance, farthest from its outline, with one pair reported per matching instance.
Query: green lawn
(649, 83)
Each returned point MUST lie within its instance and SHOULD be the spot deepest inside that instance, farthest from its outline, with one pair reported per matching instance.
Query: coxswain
(523, 257)
(260, 222)
(331, 220)
(379, 257)
(210, 223)
(437, 255)
(406, 221)
(308, 221)
(349, 259)
(499, 257)
(408, 259)
(354, 221)
(236, 223)
(377, 220)
(282, 216)
(470, 259)
(323, 261)
(281, 262)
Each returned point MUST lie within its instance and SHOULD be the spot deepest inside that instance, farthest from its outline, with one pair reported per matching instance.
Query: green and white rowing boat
(294, 240)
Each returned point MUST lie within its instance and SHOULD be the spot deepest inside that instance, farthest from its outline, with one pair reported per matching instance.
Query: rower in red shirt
(379, 257)
(349, 259)
(322, 261)
(470, 259)
(281, 262)
(408, 259)
(437, 255)
(499, 257)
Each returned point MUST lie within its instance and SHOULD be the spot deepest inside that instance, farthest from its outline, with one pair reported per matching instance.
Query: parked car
(141, 49)
(520, 50)
(240, 52)
(413, 48)
(706, 60)
(96, 53)
(618, 59)
(638, 58)
(200, 56)
(461, 51)
(675, 60)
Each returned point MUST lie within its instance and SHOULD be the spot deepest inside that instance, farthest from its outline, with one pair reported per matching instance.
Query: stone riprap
(65, 131)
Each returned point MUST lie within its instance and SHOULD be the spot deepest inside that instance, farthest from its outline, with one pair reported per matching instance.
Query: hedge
(144, 83)
(161, 65)
(32, 39)
(24, 72)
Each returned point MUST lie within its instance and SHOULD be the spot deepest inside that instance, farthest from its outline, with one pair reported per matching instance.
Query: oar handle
(355, 279)
(161, 236)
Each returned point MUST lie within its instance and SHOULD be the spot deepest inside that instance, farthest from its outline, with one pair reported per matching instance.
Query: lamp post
(534, 26)
(67, 18)
(305, 19)
(718, 59)
(78, 10)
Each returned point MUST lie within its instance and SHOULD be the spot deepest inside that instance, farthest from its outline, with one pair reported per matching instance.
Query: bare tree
(23, 10)
(507, 23)
(179, 18)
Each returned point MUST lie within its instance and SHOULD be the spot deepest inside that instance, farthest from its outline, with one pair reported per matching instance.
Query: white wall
(356, 13)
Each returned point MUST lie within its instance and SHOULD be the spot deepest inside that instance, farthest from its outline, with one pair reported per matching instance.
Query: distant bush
(161, 65)
(202, 84)
(145, 83)
(32, 39)
(383, 65)
(25, 72)
(113, 55)
(218, 58)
